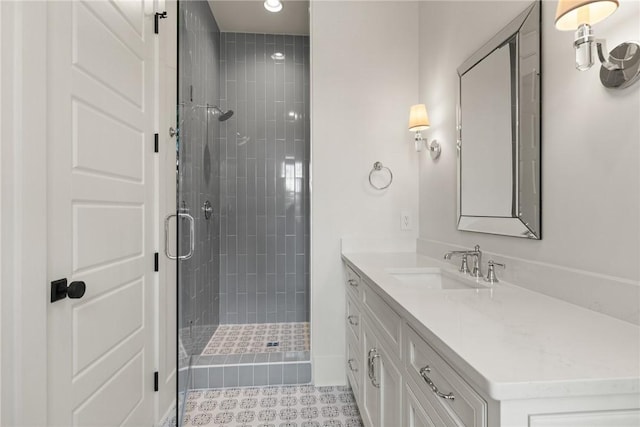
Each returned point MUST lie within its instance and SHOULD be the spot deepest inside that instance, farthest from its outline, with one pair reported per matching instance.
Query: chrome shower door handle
(167, 252)
(192, 234)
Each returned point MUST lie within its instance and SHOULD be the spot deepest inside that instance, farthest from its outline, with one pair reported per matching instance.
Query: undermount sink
(432, 278)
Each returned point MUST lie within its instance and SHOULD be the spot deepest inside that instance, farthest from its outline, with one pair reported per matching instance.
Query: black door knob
(60, 290)
(76, 289)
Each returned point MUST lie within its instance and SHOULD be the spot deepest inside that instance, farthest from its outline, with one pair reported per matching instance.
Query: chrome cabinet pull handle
(353, 320)
(374, 380)
(370, 363)
(423, 373)
(349, 363)
(192, 236)
(353, 283)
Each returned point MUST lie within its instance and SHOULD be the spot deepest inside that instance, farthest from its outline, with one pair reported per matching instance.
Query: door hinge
(156, 23)
(156, 262)
(156, 380)
(156, 143)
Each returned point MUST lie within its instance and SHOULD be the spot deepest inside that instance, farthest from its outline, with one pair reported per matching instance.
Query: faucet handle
(464, 267)
(491, 272)
(476, 271)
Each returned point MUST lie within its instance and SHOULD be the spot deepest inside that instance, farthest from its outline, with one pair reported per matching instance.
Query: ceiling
(250, 16)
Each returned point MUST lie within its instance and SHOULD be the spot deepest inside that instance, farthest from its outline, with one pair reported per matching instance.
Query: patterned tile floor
(284, 406)
(258, 338)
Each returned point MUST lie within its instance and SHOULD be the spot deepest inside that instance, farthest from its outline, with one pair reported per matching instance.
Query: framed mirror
(499, 132)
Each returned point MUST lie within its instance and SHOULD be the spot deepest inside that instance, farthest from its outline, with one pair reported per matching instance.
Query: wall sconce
(621, 67)
(419, 121)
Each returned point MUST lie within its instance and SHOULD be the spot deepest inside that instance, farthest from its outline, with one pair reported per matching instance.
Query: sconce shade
(570, 14)
(418, 119)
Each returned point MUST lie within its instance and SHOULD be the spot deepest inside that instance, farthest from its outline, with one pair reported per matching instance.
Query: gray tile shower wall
(199, 156)
(264, 187)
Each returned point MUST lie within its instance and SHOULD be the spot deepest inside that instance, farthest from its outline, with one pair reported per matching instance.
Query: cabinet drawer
(418, 412)
(353, 318)
(354, 365)
(386, 322)
(353, 282)
(467, 408)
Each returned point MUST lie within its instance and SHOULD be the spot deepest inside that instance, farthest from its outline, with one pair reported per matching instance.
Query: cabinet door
(382, 387)
(370, 410)
(354, 366)
(386, 372)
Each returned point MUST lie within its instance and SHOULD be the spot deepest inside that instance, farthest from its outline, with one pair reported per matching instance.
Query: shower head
(226, 115)
(223, 115)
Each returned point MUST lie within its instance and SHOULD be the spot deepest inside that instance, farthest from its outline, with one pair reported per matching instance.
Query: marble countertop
(510, 341)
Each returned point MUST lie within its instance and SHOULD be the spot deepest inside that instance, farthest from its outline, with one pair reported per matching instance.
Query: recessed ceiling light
(273, 5)
(278, 56)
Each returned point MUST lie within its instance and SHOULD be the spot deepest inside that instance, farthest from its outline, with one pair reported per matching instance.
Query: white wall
(364, 78)
(590, 159)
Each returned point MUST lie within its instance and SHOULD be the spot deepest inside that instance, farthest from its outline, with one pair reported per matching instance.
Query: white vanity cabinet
(410, 372)
(385, 374)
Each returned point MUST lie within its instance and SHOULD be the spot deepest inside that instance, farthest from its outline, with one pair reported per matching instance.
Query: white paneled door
(101, 211)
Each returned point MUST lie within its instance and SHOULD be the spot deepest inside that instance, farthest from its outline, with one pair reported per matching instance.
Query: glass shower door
(198, 188)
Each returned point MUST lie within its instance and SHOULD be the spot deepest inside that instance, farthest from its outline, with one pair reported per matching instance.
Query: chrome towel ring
(379, 167)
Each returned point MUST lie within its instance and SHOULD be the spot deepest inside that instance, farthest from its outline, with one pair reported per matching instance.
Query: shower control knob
(60, 290)
(207, 209)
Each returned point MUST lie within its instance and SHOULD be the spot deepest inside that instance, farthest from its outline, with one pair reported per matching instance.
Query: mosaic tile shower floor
(258, 338)
(285, 406)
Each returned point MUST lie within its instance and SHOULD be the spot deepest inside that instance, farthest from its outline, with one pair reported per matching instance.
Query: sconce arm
(419, 141)
(584, 34)
(601, 48)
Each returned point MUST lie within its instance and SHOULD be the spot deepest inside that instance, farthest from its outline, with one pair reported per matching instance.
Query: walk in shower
(243, 205)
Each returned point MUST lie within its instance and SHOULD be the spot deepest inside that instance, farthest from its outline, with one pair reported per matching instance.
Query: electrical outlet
(405, 220)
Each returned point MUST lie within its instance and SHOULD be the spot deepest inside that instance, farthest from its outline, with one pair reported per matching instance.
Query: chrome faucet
(477, 261)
